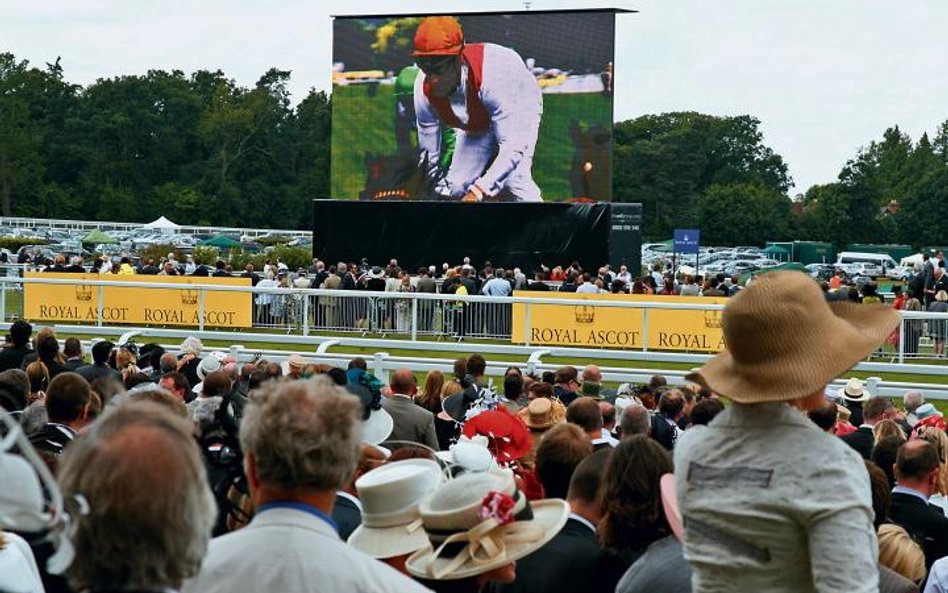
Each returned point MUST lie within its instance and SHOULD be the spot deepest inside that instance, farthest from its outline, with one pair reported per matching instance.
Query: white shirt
(587, 288)
(514, 104)
(265, 298)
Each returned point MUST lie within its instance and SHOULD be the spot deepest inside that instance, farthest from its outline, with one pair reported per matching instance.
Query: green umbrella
(222, 241)
(666, 247)
(96, 236)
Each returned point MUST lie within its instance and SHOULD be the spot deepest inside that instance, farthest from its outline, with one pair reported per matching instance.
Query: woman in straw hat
(479, 525)
(769, 500)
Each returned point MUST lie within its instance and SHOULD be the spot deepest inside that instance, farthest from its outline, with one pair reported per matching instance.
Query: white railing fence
(423, 317)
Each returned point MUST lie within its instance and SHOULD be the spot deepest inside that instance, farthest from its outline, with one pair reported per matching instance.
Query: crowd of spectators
(188, 471)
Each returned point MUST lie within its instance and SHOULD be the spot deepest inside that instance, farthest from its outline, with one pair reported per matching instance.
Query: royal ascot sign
(620, 327)
(79, 302)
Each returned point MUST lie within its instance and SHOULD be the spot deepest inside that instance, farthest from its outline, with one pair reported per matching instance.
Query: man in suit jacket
(347, 514)
(874, 411)
(916, 473)
(565, 563)
(412, 422)
(299, 440)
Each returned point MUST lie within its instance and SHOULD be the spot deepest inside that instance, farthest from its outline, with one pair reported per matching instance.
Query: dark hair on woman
(460, 368)
(881, 498)
(338, 376)
(634, 515)
(705, 411)
(884, 454)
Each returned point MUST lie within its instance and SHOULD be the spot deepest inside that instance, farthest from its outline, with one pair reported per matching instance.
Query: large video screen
(512, 107)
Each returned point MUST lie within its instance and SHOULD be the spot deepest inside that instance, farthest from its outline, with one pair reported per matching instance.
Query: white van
(875, 264)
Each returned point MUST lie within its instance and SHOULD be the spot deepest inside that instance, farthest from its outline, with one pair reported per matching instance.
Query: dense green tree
(743, 214)
(202, 149)
(669, 161)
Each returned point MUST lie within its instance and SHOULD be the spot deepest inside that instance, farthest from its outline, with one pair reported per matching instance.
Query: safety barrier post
(378, 366)
(201, 311)
(902, 340)
(305, 314)
(98, 313)
(644, 330)
(414, 319)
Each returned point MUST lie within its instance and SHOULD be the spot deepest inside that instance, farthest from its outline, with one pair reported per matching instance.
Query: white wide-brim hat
(390, 496)
(462, 518)
(378, 427)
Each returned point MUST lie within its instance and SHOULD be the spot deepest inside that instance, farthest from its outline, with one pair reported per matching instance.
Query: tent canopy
(222, 242)
(96, 236)
(775, 250)
(163, 224)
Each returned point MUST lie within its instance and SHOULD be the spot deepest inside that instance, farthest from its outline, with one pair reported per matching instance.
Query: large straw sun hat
(785, 341)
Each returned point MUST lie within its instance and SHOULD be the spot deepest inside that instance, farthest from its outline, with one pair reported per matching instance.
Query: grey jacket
(412, 422)
(772, 503)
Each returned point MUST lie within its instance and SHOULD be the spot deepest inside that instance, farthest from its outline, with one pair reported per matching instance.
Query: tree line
(197, 148)
(201, 149)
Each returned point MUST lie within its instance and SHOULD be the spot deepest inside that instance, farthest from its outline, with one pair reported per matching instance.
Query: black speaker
(625, 237)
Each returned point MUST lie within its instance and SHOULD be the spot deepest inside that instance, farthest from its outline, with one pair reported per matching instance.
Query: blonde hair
(450, 388)
(38, 375)
(899, 552)
(887, 428)
(124, 358)
(939, 440)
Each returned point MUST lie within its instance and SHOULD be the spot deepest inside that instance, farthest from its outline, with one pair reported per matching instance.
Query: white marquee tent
(163, 224)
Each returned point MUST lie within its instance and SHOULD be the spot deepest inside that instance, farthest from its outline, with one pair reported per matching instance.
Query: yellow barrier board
(79, 302)
(619, 328)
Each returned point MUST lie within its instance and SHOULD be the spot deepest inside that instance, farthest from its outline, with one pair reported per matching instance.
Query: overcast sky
(824, 76)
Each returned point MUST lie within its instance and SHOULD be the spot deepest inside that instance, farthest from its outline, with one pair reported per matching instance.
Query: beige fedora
(390, 496)
(478, 522)
(542, 413)
(785, 341)
(854, 391)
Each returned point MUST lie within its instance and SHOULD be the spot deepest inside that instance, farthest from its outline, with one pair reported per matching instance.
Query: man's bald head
(168, 363)
(403, 382)
(635, 420)
(915, 461)
(608, 415)
(592, 373)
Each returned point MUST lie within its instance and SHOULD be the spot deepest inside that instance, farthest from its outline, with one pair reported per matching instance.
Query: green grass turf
(363, 122)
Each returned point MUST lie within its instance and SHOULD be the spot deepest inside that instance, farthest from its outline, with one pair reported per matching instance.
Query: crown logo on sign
(713, 319)
(83, 292)
(189, 296)
(584, 313)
